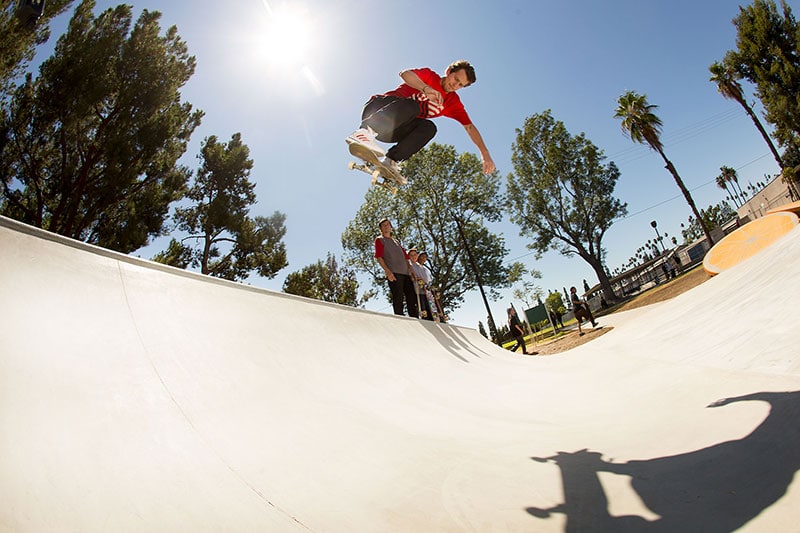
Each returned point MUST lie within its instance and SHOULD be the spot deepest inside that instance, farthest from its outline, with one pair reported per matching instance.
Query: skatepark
(138, 397)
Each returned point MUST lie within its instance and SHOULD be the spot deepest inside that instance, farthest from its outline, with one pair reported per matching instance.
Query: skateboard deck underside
(373, 164)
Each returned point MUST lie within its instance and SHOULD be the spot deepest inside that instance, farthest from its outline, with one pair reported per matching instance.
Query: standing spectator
(422, 279)
(515, 327)
(433, 299)
(394, 262)
(555, 319)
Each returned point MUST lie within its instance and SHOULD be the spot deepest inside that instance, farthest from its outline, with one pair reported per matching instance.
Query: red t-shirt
(451, 104)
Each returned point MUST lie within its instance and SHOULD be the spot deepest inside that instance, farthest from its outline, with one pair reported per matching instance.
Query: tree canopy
(561, 192)
(767, 54)
(713, 216)
(229, 243)
(326, 281)
(18, 40)
(91, 145)
(446, 189)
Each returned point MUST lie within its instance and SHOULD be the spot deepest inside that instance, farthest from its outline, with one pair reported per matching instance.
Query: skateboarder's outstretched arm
(475, 135)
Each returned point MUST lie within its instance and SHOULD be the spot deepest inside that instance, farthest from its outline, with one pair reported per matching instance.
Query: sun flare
(287, 38)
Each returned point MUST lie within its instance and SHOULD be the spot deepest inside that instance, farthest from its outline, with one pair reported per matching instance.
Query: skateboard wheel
(351, 165)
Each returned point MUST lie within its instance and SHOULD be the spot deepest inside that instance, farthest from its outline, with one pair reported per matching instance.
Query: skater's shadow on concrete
(714, 489)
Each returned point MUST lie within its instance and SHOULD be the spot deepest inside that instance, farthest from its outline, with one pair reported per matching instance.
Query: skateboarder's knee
(427, 129)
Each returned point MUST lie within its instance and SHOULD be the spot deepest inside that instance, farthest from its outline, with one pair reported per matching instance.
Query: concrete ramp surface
(136, 397)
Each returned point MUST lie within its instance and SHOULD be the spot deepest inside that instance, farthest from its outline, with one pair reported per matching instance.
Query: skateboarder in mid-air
(401, 116)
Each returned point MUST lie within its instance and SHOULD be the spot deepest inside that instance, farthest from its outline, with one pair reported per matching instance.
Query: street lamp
(490, 318)
(658, 235)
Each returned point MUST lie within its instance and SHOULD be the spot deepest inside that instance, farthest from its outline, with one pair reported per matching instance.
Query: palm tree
(643, 126)
(730, 176)
(722, 183)
(729, 87)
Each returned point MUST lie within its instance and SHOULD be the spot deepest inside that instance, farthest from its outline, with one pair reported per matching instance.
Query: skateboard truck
(377, 178)
(380, 173)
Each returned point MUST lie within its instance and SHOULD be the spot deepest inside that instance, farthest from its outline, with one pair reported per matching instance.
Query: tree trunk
(686, 194)
(764, 133)
(602, 277)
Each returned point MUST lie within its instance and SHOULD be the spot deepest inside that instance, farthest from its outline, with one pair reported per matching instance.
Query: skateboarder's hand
(433, 95)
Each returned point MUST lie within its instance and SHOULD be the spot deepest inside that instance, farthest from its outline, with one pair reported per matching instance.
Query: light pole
(658, 235)
(490, 318)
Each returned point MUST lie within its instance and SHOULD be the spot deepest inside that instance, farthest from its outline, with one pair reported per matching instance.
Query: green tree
(767, 45)
(524, 289)
(729, 176)
(230, 244)
(93, 143)
(729, 87)
(713, 216)
(326, 281)
(445, 189)
(18, 41)
(561, 192)
(555, 303)
(723, 184)
(767, 54)
(643, 126)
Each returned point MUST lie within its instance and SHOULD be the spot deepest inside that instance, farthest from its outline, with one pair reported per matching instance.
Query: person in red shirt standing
(393, 259)
(402, 116)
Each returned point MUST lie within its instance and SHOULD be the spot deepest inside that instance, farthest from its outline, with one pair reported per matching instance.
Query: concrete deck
(136, 397)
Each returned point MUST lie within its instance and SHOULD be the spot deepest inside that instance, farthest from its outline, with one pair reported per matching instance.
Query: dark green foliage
(92, 144)
(229, 244)
(18, 41)
(768, 55)
(714, 216)
(443, 187)
(561, 192)
(326, 281)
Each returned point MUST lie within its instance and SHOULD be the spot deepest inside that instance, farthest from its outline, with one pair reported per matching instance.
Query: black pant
(425, 307)
(395, 120)
(520, 342)
(403, 288)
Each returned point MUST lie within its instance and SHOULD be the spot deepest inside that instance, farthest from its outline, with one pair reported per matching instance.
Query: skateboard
(381, 174)
(432, 304)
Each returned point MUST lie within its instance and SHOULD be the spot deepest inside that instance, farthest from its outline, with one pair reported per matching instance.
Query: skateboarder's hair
(465, 66)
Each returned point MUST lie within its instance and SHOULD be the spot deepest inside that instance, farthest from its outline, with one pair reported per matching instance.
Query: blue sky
(294, 100)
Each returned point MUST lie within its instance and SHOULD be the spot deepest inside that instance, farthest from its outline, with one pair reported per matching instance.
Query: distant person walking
(393, 259)
(580, 308)
(515, 327)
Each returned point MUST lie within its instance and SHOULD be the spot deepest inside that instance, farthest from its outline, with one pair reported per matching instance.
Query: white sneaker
(366, 137)
(395, 167)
